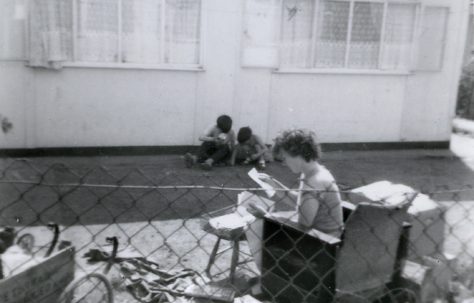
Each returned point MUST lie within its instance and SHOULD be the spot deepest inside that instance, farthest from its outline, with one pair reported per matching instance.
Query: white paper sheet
(269, 190)
(232, 221)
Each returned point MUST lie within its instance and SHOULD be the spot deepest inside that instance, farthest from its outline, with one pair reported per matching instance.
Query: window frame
(419, 7)
(124, 65)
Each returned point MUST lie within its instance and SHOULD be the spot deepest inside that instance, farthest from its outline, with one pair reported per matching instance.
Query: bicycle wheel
(91, 288)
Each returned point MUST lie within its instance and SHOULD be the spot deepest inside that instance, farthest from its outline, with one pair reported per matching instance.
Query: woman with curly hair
(318, 202)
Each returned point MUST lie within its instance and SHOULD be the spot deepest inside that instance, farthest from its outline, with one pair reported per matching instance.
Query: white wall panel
(351, 108)
(93, 107)
(13, 81)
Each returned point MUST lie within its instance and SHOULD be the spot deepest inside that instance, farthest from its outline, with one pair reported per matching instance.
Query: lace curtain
(324, 43)
(50, 39)
(151, 31)
(97, 31)
(141, 31)
(366, 34)
(331, 34)
(182, 34)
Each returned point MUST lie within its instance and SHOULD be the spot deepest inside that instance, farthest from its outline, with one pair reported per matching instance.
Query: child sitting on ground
(250, 149)
(218, 142)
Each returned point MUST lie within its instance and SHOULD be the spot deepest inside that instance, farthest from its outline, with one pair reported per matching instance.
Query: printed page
(244, 199)
(253, 173)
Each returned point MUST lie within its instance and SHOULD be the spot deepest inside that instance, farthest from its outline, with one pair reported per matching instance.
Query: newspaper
(269, 190)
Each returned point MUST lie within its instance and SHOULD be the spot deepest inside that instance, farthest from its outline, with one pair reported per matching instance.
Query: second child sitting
(250, 149)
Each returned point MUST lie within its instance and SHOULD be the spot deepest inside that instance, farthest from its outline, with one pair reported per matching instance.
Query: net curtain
(366, 46)
(152, 31)
(49, 34)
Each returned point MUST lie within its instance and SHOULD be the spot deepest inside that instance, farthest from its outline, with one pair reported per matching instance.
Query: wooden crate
(41, 283)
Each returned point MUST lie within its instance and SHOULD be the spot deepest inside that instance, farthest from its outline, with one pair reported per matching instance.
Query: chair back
(368, 254)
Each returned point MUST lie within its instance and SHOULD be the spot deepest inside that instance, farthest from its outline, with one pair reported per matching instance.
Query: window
(347, 34)
(125, 32)
(146, 31)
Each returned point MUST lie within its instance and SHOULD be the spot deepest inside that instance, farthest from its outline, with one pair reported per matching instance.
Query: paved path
(463, 126)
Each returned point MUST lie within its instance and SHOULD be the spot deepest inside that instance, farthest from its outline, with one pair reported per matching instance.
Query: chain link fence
(152, 236)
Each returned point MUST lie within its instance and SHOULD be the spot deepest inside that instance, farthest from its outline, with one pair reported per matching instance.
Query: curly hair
(298, 142)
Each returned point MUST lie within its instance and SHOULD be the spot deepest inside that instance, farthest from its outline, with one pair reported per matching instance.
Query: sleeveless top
(322, 187)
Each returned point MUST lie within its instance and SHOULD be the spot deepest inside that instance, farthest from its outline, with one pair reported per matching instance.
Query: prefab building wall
(244, 68)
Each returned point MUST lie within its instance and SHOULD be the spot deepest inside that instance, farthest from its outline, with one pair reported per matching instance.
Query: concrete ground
(164, 224)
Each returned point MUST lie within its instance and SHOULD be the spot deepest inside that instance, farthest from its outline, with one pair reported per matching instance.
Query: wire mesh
(148, 233)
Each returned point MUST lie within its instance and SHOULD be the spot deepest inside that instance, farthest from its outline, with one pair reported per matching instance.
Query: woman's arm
(308, 210)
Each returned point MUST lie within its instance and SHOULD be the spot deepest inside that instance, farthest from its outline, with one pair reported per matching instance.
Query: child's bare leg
(219, 155)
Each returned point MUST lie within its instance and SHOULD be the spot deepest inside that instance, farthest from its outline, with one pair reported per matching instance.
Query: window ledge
(171, 67)
(341, 71)
(12, 60)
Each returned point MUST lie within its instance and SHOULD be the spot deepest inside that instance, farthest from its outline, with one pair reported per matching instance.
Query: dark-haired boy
(217, 143)
(250, 148)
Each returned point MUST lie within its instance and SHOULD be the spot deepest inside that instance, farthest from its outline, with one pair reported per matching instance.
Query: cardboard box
(417, 278)
(428, 225)
(383, 191)
(426, 215)
(430, 280)
(443, 270)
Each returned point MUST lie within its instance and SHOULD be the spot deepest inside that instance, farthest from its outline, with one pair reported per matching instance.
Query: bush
(464, 108)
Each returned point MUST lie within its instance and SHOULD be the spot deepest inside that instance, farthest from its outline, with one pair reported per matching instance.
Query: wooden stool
(230, 232)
